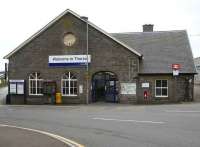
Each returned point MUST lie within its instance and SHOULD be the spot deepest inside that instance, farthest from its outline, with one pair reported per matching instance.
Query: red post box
(145, 94)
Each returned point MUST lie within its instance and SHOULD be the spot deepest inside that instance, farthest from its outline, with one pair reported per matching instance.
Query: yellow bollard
(58, 98)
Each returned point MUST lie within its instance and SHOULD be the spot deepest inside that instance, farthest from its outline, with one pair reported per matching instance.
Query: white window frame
(36, 86)
(161, 88)
(68, 80)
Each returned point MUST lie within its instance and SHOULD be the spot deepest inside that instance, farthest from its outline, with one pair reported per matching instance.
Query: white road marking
(69, 142)
(182, 111)
(128, 120)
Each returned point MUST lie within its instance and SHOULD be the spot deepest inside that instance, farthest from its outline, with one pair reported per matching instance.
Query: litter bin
(58, 98)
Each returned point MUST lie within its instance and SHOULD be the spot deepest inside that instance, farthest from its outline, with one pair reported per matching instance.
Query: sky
(22, 18)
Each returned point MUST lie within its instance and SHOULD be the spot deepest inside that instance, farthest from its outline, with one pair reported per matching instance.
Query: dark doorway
(104, 87)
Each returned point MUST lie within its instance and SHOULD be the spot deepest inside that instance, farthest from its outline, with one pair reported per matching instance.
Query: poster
(80, 88)
(128, 88)
(16, 86)
(13, 88)
(112, 83)
(20, 88)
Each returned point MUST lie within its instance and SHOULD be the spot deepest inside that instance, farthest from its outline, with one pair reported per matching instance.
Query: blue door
(110, 91)
(104, 87)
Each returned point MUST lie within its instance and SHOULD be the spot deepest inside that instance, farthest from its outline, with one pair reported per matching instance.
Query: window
(69, 84)
(35, 84)
(161, 88)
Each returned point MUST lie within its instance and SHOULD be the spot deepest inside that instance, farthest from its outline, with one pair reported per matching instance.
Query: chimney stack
(148, 28)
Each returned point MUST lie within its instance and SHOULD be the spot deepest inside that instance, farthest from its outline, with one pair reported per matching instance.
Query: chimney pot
(148, 28)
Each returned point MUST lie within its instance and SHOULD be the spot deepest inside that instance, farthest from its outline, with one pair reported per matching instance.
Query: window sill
(161, 96)
(35, 94)
(70, 95)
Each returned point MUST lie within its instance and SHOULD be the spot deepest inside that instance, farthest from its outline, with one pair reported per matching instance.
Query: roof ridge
(149, 32)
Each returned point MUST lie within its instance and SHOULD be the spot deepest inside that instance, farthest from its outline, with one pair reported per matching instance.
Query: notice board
(128, 88)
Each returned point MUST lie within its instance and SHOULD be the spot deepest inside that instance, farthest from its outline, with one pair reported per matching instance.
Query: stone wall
(180, 88)
(106, 54)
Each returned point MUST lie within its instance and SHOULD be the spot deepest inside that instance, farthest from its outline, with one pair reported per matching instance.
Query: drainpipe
(87, 66)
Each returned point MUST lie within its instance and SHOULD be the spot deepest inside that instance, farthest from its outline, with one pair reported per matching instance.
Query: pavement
(16, 137)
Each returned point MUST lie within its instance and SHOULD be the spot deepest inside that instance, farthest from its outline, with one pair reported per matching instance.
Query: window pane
(31, 90)
(63, 84)
(75, 90)
(164, 91)
(72, 76)
(71, 90)
(164, 83)
(67, 83)
(67, 91)
(158, 92)
(158, 83)
(63, 91)
(39, 84)
(75, 84)
(39, 90)
(71, 84)
(34, 91)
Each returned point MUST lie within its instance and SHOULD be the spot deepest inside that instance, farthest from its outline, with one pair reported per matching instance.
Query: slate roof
(160, 50)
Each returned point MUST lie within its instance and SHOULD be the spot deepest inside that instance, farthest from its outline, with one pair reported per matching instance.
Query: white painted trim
(182, 111)
(35, 80)
(161, 88)
(55, 20)
(36, 94)
(68, 80)
(128, 120)
(69, 95)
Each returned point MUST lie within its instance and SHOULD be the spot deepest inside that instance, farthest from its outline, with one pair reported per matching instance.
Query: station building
(76, 58)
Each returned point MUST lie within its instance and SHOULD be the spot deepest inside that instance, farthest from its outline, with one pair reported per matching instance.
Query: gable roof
(160, 50)
(79, 17)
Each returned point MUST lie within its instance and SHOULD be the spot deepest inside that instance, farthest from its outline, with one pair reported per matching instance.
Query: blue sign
(69, 60)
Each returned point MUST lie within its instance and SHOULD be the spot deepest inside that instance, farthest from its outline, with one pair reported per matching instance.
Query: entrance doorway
(104, 87)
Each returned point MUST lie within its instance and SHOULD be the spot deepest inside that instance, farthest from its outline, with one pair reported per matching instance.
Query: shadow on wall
(197, 92)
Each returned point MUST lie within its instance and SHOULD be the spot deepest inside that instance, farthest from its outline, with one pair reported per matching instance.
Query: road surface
(112, 125)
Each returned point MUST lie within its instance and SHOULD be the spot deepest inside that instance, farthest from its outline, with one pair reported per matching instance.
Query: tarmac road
(15, 137)
(112, 125)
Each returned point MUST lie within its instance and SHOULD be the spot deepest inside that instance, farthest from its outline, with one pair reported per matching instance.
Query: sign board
(20, 88)
(175, 72)
(16, 86)
(176, 66)
(16, 81)
(80, 88)
(69, 60)
(128, 88)
(145, 85)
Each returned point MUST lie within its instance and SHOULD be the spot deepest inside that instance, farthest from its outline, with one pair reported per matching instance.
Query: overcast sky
(22, 18)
